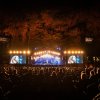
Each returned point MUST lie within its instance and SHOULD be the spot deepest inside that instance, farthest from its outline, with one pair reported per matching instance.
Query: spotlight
(24, 52)
(28, 52)
(34, 53)
(20, 52)
(17, 52)
(82, 52)
(65, 52)
(14, 52)
(75, 52)
(10, 52)
(72, 52)
(69, 52)
(79, 52)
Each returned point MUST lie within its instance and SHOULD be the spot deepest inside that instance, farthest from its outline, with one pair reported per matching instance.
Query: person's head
(83, 75)
(53, 73)
(98, 71)
(92, 73)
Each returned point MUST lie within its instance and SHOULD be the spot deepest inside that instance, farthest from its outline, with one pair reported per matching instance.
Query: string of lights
(19, 52)
(74, 52)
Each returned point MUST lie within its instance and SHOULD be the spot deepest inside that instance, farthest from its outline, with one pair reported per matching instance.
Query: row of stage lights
(43, 52)
(48, 52)
(73, 52)
(19, 52)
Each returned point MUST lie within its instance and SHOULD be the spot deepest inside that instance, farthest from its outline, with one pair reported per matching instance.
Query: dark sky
(14, 5)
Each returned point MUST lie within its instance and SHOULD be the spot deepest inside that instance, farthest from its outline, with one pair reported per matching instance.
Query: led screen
(17, 59)
(75, 59)
(46, 59)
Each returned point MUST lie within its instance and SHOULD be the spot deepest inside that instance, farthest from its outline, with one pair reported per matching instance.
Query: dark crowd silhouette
(26, 82)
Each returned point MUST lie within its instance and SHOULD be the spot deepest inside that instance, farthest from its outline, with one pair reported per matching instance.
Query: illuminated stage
(46, 58)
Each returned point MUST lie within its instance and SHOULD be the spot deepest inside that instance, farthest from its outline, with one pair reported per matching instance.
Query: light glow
(79, 52)
(24, 52)
(28, 52)
(14, 52)
(19, 52)
(73, 52)
(10, 52)
(69, 52)
(46, 52)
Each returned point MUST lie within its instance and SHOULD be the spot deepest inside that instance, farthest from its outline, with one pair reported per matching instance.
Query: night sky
(47, 4)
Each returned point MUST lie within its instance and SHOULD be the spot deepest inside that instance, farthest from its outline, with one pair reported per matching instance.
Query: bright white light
(72, 59)
(57, 58)
(46, 56)
(14, 60)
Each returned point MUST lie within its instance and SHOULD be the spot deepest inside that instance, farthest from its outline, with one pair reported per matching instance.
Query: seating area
(27, 82)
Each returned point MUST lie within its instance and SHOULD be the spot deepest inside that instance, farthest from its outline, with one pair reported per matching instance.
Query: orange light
(34, 53)
(65, 52)
(82, 52)
(14, 52)
(28, 52)
(72, 52)
(75, 52)
(58, 53)
(24, 52)
(20, 52)
(49, 51)
(40, 52)
(69, 52)
(10, 52)
(79, 52)
(17, 52)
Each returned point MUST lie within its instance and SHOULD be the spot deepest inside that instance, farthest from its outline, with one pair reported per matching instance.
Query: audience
(50, 82)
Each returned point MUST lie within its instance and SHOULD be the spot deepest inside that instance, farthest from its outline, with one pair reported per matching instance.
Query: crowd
(50, 82)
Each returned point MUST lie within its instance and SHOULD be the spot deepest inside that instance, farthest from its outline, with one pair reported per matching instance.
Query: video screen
(75, 59)
(46, 59)
(17, 59)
